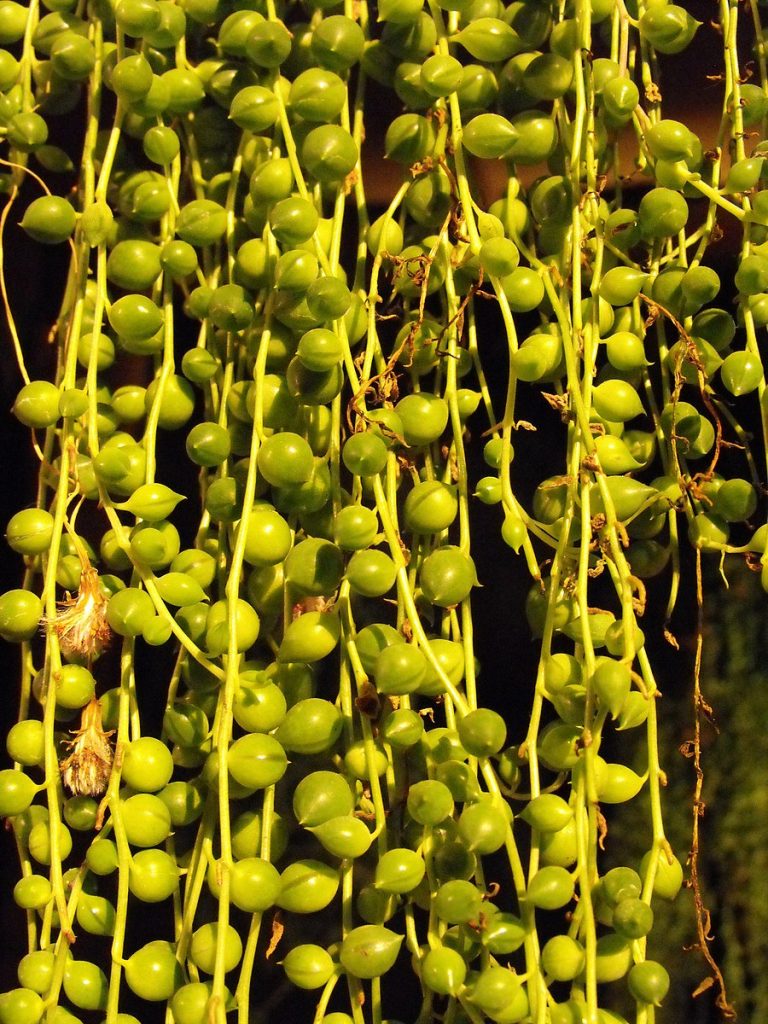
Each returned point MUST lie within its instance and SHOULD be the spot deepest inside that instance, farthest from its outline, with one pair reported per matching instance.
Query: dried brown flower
(81, 622)
(85, 772)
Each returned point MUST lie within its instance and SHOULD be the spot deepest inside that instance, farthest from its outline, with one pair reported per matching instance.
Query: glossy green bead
(548, 76)
(49, 219)
(138, 17)
(286, 459)
(20, 615)
(632, 918)
(449, 655)
(295, 271)
(617, 401)
(547, 813)
(563, 958)
(21, 1006)
(95, 915)
(458, 902)
(478, 89)
(183, 801)
(550, 888)
(29, 532)
(337, 43)
(499, 256)
(625, 351)
(317, 95)
(409, 138)
(320, 797)
(131, 77)
(328, 298)
(669, 28)
(35, 970)
(25, 742)
(268, 45)
(430, 802)
(135, 317)
(482, 732)
(648, 982)
(400, 669)
(201, 222)
(230, 308)
(268, 536)
(198, 364)
(72, 56)
(496, 991)
(490, 39)
(430, 507)
(271, 182)
(75, 686)
(293, 221)
(156, 545)
(254, 884)
(310, 638)
(257, 760)
(621, 285)
(235, 30)
(85, 985)
(372, 640)
(27, 131)
(668, 877)
(152, 972)
(662, 213)
(308, 966)
(744, 174)
(708, 531)
(147, 765)
(152, 502)
(399, 871)
(189, 1002)
(620, 96)
(402, 729)
(185, 724)
(483, 826)
(208, 444)
(741, 373)
(346, 837)
(364, 454)
(307, 886)
(400, 11)
(424, 417)
(311, 388)
(447, 576)
(217, 629)
(311, 726)
(612, 682)
(13, 22)
(370, 950)
(37, 404)
(17, 791)
(39, 842)
(360, 763)
(134, 265)
(489, 136)
(186, 90)
(371, 573)
(254, 108)
(355, 527)
(314, 567)
(329, 153)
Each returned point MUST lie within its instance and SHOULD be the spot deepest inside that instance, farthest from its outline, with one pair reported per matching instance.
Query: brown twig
(703, 917)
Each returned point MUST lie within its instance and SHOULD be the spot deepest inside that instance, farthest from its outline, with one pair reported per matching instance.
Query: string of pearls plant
(325, 767)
